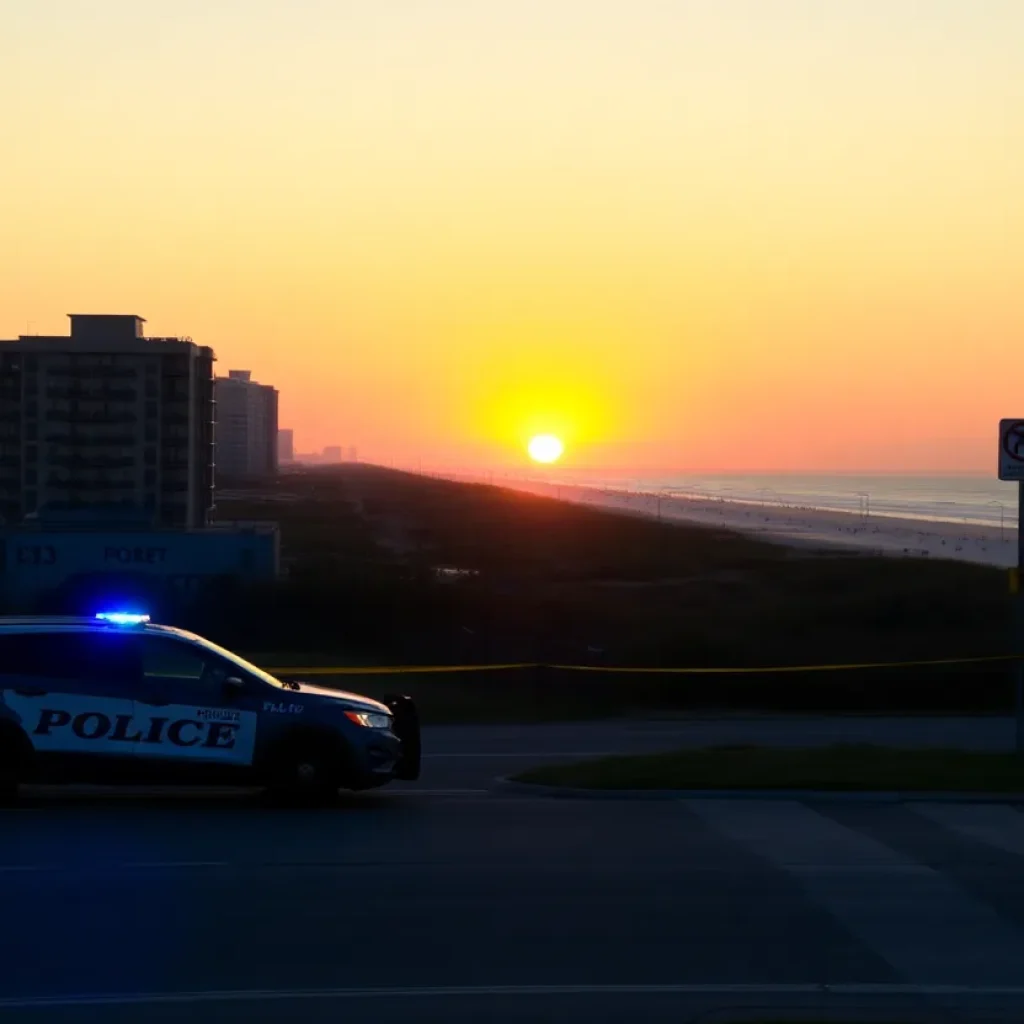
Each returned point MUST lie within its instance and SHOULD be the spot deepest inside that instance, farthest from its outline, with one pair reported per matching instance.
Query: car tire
(12, 765)
(305, 773)
(8, 793)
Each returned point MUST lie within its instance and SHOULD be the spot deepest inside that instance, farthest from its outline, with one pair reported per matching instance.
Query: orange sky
(713, 234)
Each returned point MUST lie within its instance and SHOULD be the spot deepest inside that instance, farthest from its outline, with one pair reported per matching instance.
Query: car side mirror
(233, 686)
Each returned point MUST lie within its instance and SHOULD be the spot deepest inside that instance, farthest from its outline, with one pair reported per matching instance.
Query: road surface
(449, 902)
(472, 756)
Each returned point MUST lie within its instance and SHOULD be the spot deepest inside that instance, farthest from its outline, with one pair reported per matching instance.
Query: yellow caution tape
(777, 669)
(392, 670)
(378, 670)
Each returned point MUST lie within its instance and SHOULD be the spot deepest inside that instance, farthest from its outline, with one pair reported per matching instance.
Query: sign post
(1011, 467)
(1018, 632)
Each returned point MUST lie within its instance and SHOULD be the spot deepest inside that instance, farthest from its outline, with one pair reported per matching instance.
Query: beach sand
(804, 527)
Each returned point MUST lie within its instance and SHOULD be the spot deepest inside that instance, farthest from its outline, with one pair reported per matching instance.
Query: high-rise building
(353, 454)
(332, 453)
(106, 426)
(247, 434)
(285, 445)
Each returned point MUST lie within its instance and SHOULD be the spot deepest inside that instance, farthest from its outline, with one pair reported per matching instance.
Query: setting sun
(545, 448)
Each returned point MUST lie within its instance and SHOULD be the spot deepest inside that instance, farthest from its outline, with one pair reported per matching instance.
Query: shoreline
(799, 527)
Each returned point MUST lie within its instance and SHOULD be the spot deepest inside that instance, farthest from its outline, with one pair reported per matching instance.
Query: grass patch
(535, 694)
(839, 767)
(478, 697)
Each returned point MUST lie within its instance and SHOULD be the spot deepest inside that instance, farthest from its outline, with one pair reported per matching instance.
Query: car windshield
(235, 659)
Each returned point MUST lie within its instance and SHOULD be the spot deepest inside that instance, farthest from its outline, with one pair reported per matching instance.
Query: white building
(246, 430)
(106, 426)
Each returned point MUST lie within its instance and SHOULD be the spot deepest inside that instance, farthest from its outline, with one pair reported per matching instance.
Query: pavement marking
(471, 991)
(126, 865)
(198, 794)
(175, 864)
(997, 825)
(114, 792)
(924, 925)
(539, 755)
(411, 791)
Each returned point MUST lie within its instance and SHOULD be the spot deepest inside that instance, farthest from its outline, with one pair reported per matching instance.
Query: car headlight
(369, 719)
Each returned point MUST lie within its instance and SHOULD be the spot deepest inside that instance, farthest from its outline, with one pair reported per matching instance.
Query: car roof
(75, 624)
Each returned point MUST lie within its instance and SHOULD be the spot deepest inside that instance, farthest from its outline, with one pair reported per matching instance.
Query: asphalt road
(448, 902)
(472, 757)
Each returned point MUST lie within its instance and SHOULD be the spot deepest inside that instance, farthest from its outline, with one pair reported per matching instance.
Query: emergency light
(122, 618)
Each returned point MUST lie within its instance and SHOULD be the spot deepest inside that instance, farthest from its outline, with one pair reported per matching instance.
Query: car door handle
(31, 693)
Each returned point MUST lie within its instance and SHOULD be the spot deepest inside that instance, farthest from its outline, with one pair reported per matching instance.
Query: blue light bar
(122, 618)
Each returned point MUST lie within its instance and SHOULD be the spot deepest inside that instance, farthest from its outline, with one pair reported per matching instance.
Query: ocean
(958, 499)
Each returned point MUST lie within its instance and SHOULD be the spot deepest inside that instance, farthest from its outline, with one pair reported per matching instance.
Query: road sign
(1011, 449)
(1011, 467)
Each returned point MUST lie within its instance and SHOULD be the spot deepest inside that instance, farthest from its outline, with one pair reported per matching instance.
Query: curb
(536, 789)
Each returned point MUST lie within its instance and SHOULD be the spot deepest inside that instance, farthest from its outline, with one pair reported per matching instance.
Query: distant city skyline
(744, 234)
(246, 433)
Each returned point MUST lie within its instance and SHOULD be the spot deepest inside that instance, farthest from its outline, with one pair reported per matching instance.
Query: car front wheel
(14, 755)
(305, 773)
(8, 792)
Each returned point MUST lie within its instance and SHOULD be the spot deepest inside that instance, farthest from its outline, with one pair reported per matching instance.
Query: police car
(116, 699)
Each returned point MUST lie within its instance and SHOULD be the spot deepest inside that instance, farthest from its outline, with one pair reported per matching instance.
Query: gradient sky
(713, 234)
